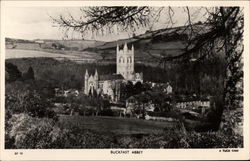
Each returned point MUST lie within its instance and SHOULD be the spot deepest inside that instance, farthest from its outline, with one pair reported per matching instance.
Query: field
(149, 47)
(115, 125)
(19, 53)
(74, 56)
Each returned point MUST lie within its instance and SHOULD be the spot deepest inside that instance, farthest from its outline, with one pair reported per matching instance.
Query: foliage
(101, 18)
(214, 140)
(32, 133)
(29, 75)
(12, 73)
(19, 99)
(28, 132)
(65, 74)
(84, 105)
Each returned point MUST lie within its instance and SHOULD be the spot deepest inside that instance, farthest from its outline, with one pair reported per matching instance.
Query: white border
(148, 154)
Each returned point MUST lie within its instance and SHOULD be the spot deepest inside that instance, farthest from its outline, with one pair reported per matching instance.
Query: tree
(18, 100)
(128, 89)
(29, 75)
(221, 33)
(138, 88)
(142, 100)
(12, 73)
(33, 133)
(104, 55)
(102, 18)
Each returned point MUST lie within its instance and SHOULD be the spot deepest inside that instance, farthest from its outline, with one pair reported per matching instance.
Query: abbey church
(109, 85)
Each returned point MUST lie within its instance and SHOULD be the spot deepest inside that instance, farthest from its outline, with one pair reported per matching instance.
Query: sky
(35, 23)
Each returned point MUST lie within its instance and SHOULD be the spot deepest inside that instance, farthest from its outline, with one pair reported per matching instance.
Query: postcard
(124, 80)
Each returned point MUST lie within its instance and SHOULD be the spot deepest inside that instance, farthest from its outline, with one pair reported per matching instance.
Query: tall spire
(117, 48)
(86, 73)
(125, 48)
(96, 74)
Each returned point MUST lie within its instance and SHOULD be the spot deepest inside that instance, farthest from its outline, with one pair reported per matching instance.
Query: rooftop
(111, 77)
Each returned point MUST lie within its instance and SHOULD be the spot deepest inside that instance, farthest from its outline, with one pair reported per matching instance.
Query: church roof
(111, 77)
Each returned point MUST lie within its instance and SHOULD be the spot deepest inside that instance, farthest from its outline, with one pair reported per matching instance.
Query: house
(65, 93)
(156, 116)
(132, 104)
(72, 92)
(201, 104)
(39, 41)
(193, 104)
(118, 109)
(168, 89)
(150, 106)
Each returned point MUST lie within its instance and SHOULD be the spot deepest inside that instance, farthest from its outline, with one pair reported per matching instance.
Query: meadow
(21, 53)
(62, 55)
(115, 125)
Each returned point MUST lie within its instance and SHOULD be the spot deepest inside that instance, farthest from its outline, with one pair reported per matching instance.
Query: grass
(26, 53)
(20, 53)
(116, 125)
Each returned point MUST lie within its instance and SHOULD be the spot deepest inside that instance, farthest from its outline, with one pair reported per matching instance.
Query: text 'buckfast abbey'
(109, 85)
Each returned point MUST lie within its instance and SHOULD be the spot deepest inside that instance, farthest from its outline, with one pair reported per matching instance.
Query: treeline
(205, 77)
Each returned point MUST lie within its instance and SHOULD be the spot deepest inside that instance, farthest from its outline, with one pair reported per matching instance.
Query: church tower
(86, 79)
(96, 80)
(125, 62)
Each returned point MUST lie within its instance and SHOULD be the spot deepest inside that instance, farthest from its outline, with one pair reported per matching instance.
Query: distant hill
(11, 40)
(77, 45)
(168, 41)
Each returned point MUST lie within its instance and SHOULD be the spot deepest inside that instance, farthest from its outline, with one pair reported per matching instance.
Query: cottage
(130, 105)
(120, 110)
(66, 93)
(194, 104)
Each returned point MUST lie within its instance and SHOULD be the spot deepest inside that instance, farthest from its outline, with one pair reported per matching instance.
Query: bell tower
(96, 80)
(86, 79)
(125, 61)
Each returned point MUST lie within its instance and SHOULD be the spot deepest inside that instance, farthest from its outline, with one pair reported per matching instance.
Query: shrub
(107, 112)
(27, 132)
(25, 101)
(214, 140)
(12, 73)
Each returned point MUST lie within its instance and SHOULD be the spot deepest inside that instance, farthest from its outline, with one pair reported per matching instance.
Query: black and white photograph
(124, 77)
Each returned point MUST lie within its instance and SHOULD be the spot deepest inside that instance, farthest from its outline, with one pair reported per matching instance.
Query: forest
(200, 78)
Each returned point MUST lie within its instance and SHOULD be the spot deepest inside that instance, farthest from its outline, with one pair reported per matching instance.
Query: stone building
(203, 104)
(105, 85)
(125, 64)
(109, 85)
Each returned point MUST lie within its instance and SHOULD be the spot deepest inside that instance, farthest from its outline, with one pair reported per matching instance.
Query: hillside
(77, 45)
(168, 41)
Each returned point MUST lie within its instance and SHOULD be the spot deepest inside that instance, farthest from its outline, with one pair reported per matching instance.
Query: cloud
(35, 22)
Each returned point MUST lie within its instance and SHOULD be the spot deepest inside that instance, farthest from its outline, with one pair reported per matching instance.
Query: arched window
(121, 59)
